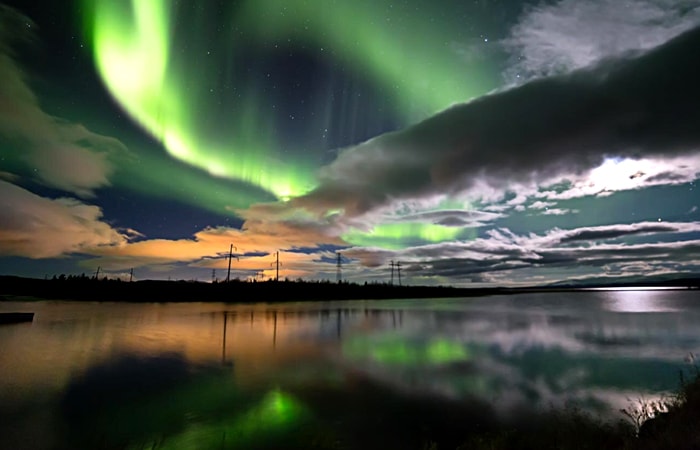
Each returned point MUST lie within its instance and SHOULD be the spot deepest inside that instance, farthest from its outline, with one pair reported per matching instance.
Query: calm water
(367, 374)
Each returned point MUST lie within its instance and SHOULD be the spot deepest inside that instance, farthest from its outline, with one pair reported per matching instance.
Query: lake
(350, 374)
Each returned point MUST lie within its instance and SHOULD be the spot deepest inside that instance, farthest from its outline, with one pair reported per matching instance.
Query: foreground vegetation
(670, 423)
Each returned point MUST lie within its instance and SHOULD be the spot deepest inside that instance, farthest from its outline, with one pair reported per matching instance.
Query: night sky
(476, 142)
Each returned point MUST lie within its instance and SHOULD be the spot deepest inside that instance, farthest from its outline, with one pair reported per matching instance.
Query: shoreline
(161, 291)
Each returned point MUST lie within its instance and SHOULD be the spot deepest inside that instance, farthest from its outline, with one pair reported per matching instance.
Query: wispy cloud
(553, 38)
(600, 250)
(49, 149)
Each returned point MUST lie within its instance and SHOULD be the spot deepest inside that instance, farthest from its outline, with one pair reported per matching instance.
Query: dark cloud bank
(637, 106)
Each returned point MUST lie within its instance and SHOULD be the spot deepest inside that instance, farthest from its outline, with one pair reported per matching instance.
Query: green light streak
(276, 411)
(413, 59)
(275, 416)
(153, 175)
(132, 50)
(396, 236)
(398, 350)
(443, 351)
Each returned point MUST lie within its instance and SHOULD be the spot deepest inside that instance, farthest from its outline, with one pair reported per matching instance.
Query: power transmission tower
(230, 255)
(277, 265)
(397, 266)
(339, 268)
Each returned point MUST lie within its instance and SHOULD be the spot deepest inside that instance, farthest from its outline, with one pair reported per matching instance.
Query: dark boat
(15, 317)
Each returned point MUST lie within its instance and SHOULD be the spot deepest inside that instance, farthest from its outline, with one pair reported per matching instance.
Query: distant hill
(668, 280)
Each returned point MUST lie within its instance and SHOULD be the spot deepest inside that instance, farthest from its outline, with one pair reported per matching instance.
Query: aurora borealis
(476, 142)
(160, 88)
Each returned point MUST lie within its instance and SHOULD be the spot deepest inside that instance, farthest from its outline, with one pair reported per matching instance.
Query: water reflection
(120, 375)
(165, 402)
(638, 301)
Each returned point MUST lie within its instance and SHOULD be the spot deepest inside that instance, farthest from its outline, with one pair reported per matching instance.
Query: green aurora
(400, 55)
(399, 235)
(133, 54)
(158, 67)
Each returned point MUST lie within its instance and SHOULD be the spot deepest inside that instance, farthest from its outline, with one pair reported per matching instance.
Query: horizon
(658, 284)
(479, 145)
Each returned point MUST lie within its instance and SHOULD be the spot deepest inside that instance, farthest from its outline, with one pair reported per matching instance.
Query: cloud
(370, 257)
(557, 237)
(559, 211)
(620, 174)
(399, 223)
(56, 152)
(37, 227)
(541, 205)
(452, 218)
(209, 248)
(617, 231)
(552, 38)
(532, 135)
(9, 177)
(550, 256)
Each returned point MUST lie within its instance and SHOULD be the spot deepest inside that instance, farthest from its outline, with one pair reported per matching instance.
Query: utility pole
(97, 272)
(277, 265)
(339, 269)
(213, 275)
(230, 255)
(398, 269)
(392, 271)
(131, 275)
(277, 275)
